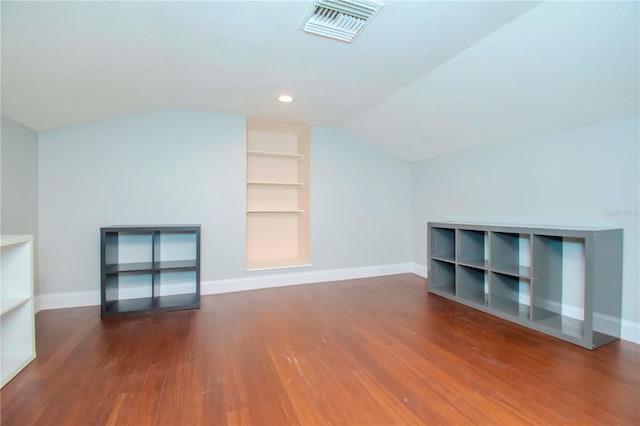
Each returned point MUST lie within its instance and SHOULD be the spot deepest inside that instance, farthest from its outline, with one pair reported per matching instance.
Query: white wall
(360, 202)
(19, 176)
(161, 168)
(582, 176)
(19, 182)
(189, 167)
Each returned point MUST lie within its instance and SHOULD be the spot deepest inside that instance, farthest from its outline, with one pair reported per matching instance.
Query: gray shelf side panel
(156, 258)
(471, 246)
(546, 290)
(110, 257)
(604, 279)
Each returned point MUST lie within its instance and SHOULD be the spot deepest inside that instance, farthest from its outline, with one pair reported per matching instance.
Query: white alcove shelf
(277, 194)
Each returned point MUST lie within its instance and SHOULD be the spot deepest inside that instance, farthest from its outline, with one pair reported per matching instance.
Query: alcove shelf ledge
(268, 183)
(295, 156)
(276, 211)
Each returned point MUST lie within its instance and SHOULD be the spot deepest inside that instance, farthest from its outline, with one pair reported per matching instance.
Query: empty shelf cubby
(443, 277)
(471, 285)
(443, 243)
(558, 294)
(510, 295)
(510, 254)
(471, 248)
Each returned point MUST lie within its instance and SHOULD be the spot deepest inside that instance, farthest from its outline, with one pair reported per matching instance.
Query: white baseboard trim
(421, 270)
(92, 298)
(298, 278)
(72, 299)
(630, 330)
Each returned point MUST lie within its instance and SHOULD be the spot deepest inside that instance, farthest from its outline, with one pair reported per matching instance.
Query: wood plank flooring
(376, 351)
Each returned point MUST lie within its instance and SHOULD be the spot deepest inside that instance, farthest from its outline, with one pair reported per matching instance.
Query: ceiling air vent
(340, 19)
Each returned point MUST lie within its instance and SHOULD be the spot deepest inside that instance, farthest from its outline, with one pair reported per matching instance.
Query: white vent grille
(340, 19)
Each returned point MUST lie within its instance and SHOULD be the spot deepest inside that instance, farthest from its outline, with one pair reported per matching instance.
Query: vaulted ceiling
(424, 79)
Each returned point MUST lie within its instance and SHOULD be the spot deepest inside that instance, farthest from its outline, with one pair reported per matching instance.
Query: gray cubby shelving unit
(533, 277)
(149, 268)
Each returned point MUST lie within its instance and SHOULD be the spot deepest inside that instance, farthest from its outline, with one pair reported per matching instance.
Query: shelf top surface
(11, 239)
(520, 227)
(149, 228)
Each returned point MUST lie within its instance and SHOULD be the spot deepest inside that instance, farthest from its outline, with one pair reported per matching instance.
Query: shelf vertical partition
(278, 185)
(565, 282)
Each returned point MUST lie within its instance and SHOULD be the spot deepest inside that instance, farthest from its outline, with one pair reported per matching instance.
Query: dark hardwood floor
(376, 351)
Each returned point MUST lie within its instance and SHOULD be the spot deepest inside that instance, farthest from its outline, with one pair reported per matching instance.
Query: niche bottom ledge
(266, 264)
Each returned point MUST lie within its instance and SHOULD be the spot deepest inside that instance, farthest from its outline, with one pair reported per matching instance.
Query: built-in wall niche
(278, 172)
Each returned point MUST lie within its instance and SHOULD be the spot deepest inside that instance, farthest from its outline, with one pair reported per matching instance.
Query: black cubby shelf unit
(147, 269)
(565, 282)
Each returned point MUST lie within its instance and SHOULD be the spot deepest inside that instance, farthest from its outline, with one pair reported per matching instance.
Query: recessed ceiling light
(285, 98)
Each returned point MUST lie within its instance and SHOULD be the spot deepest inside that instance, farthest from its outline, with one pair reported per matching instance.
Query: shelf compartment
(178, 301)
(17, 342)
(274, 237)
(134, 286)
(175, 246)
(471, 248)
(132, 250)
(558, 296)
(260, 169)
(443, 243)
(16, 269)
(558, 322)
(174, 282)
(273, 197)
(291, 155)
(142, 305)
(442, 277)
(471, 285)
(510, 295)
(511, 254)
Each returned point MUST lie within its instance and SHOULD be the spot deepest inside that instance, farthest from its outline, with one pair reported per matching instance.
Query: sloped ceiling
(424, 79)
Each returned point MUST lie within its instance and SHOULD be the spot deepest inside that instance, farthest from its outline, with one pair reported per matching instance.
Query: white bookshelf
(17, 323)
